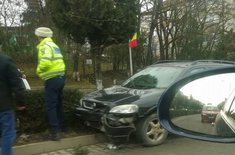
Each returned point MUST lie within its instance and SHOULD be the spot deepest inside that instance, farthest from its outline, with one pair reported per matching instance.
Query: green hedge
(34, 119)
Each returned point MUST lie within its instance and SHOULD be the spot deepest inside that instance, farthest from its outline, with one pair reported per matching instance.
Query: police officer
(51, 69)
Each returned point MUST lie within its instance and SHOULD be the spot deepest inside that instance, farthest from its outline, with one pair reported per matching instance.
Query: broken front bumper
(118, 128)
(89, 117)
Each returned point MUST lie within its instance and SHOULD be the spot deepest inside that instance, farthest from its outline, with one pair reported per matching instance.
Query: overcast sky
(10, 11)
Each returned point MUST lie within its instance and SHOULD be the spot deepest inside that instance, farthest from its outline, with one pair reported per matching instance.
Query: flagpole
(130, 55)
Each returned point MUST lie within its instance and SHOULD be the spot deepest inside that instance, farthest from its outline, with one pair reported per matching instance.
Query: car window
(228, 103)
(232, 109)
(229, 112)
(153, 77)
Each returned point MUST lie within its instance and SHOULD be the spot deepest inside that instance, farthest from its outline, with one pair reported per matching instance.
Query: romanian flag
(133, 42)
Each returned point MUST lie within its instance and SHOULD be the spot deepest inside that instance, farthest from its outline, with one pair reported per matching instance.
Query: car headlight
(80, 102)
(125, 109)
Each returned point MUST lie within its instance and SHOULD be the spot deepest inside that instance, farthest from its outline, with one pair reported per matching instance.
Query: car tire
(149, 131)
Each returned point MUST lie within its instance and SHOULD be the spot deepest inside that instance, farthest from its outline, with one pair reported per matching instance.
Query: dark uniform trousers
(53, 103)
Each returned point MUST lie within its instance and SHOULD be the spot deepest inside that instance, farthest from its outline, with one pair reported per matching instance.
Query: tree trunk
(76, 76)
(149, 57)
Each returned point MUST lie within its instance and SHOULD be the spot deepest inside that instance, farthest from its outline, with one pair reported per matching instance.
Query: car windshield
(153, 77)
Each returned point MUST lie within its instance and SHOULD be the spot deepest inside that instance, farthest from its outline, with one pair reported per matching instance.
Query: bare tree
(10, 11)
(188, 29)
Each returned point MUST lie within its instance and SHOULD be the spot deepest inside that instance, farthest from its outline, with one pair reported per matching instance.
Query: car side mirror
(201, 106)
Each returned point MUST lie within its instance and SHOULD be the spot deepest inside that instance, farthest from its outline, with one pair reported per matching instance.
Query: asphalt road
(173, 146)
(193, 122)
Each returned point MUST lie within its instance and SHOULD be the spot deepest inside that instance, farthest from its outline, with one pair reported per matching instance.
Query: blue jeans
(7, 127)
(53, 103)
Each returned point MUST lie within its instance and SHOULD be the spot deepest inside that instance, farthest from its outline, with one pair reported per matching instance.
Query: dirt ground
(27, 138)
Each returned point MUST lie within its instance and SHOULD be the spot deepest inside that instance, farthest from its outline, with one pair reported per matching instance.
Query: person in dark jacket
(11, 91)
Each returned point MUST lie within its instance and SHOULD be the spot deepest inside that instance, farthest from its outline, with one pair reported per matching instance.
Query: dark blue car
(131, 108)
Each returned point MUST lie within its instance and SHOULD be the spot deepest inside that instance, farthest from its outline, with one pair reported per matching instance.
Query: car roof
(188, 63)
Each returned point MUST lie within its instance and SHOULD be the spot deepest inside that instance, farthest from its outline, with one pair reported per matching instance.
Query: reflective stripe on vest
(52, 73)
(52, 59)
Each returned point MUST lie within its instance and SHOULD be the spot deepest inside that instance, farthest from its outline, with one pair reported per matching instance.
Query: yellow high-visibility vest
(50, 60)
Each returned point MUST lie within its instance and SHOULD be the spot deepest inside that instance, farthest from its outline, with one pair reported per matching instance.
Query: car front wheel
(150, 132)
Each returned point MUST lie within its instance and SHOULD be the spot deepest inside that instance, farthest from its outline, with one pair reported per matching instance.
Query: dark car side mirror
(201, 106)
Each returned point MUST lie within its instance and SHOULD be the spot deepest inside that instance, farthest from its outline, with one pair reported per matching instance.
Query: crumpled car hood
(118, 95)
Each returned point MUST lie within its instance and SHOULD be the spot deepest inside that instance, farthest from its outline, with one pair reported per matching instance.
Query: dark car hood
(118, 95)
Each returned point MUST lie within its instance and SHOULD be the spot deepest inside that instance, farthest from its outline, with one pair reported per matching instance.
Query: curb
(49, 146)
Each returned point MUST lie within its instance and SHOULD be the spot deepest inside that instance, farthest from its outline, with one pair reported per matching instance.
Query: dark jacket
(11, 86)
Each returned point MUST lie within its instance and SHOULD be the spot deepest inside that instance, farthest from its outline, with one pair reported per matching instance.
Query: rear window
(210, 108)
